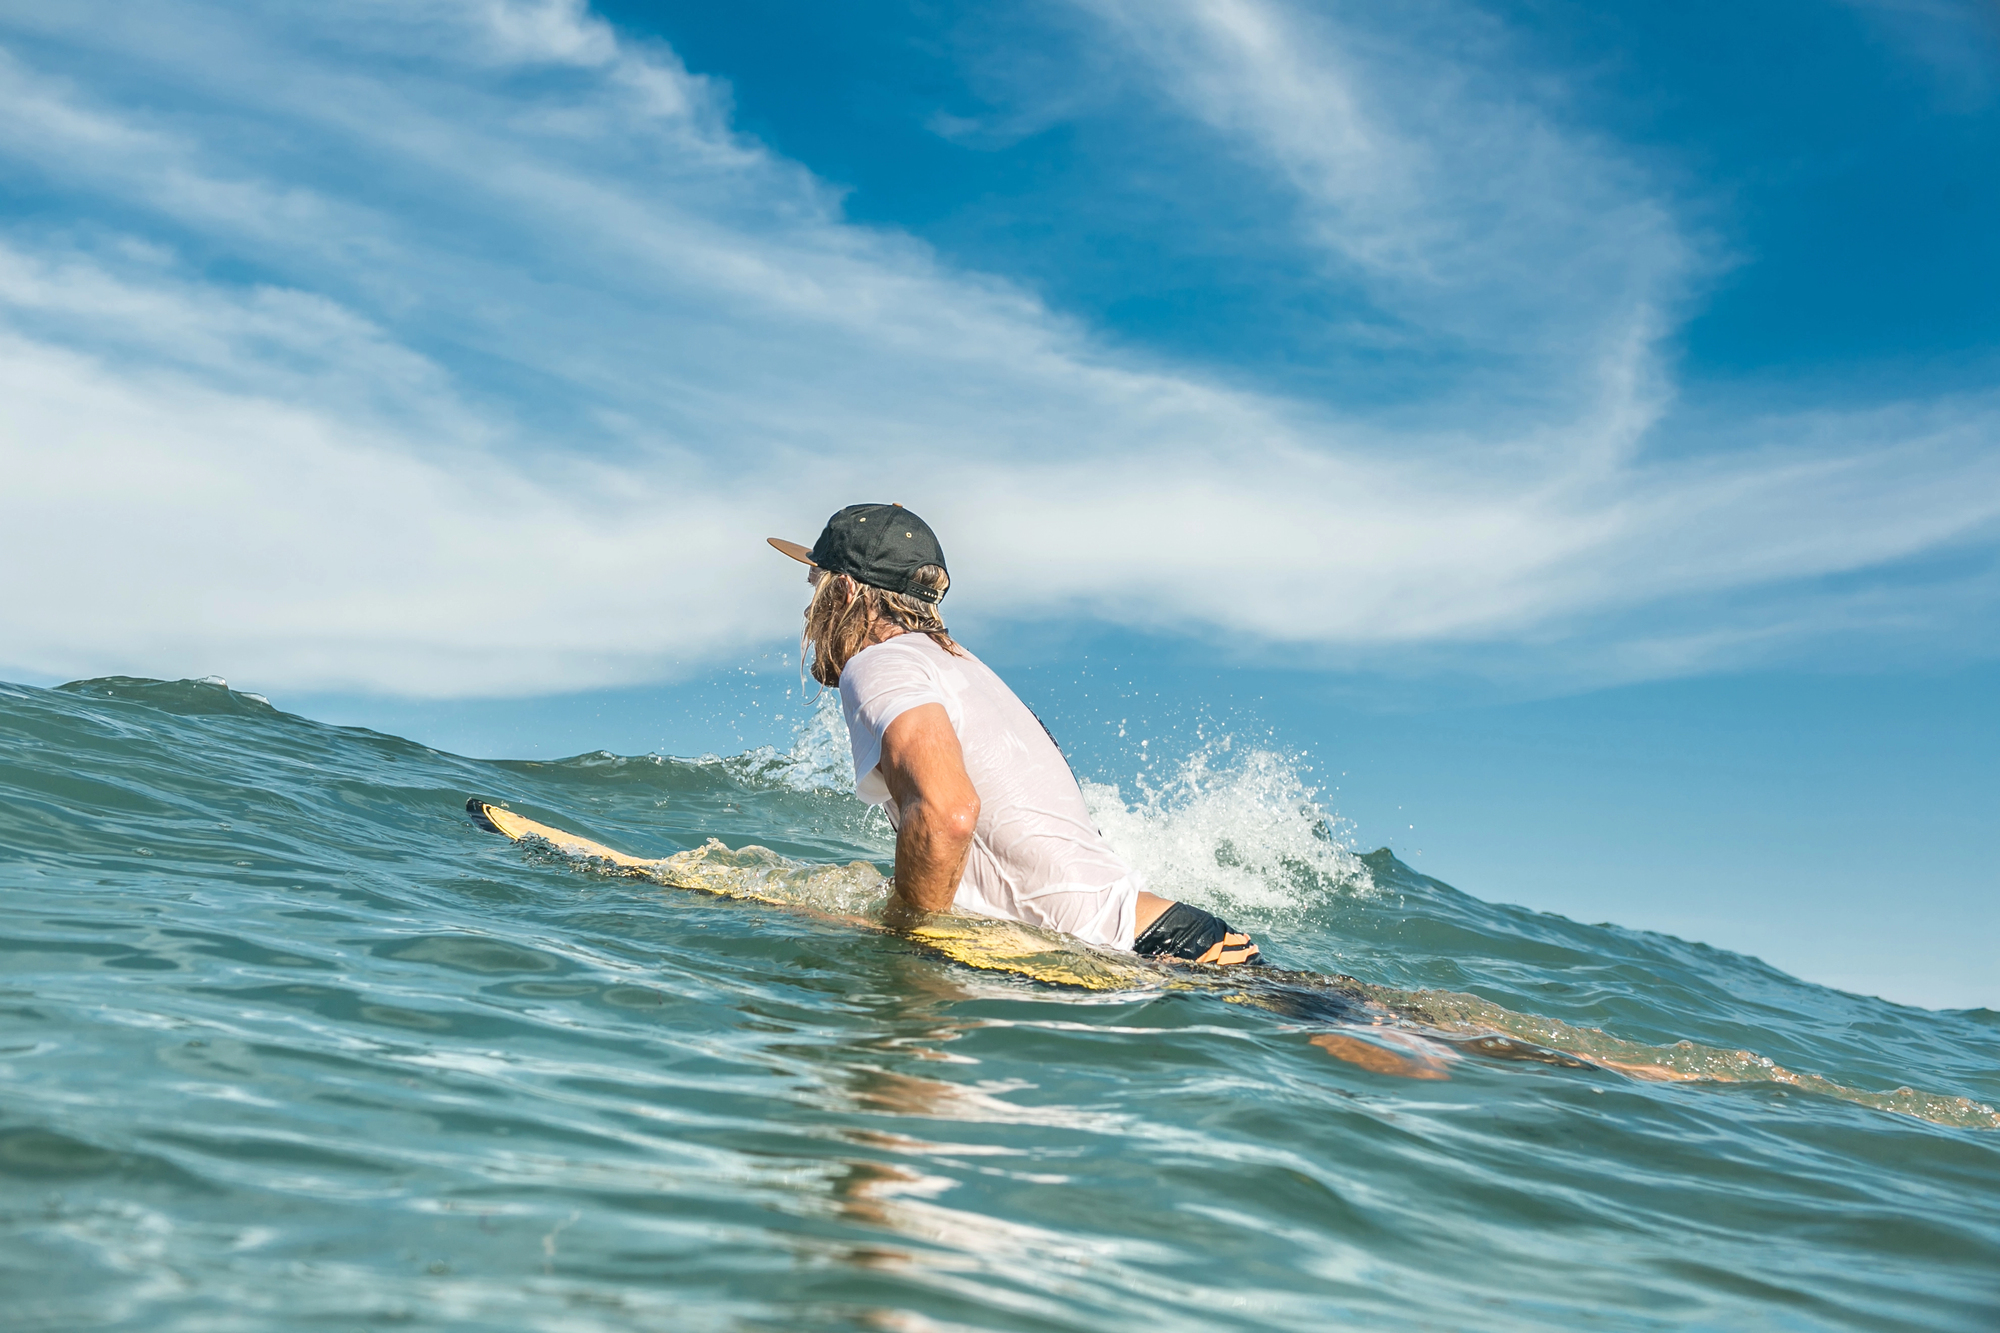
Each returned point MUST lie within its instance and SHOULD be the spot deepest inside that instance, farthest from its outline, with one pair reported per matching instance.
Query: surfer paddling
(988, 817)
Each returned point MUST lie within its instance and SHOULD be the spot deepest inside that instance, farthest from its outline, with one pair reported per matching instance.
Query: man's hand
(1233, 947)
(935, 802)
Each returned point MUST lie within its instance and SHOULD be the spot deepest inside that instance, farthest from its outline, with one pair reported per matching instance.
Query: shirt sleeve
(880, 684)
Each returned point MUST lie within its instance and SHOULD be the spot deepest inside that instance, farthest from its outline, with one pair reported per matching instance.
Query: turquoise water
(287, 1043)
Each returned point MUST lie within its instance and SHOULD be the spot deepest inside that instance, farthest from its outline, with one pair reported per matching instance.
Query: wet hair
(845, 614)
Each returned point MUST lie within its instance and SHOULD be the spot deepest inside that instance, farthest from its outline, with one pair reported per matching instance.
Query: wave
(285, 1039)
(1241, 831)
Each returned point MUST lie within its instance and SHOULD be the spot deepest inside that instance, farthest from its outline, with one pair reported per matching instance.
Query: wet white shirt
(1035, 856)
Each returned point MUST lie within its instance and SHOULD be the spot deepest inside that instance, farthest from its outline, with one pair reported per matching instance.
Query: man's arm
(939, 810)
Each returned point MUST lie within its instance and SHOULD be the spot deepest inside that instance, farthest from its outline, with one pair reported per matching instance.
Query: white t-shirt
(1035, 856)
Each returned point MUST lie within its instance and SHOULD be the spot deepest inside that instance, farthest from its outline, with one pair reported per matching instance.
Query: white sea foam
(819, 760)
(1232, 829)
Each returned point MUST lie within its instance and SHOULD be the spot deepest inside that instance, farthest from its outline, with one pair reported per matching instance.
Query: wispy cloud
(1959, 42)
(1429, 170)
(464, 347)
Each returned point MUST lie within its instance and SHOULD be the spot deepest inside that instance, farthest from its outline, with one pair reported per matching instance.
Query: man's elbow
(959, 820)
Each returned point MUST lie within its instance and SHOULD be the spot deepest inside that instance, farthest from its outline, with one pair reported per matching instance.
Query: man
(989, 819)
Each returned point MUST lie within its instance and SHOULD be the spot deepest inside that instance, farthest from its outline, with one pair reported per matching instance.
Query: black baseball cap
(879, 545)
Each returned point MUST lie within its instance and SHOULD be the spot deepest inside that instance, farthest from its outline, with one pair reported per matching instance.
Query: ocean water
(286, 1042)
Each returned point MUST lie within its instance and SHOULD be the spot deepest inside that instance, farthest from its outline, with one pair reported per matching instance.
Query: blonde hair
(845, 616)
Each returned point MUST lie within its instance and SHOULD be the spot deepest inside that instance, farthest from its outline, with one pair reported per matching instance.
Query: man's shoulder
(913, 660)
(910, 646)
(900, 658)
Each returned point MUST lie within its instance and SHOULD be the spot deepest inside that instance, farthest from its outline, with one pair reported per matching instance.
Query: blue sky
(1496, 371)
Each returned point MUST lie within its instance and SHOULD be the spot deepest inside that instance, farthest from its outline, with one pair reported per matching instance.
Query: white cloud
(159, 525)
(460, 348)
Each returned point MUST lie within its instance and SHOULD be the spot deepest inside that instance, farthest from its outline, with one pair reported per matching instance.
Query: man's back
(1036, 855)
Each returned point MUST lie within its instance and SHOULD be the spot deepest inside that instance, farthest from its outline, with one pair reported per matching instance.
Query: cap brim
(802, 554)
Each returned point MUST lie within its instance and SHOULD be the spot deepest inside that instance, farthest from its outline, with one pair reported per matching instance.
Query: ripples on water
(287, 1043)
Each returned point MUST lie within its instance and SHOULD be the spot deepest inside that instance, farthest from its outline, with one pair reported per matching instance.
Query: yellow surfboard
(757, 874)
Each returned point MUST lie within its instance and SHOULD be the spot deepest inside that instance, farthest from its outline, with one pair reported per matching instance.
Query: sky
(1579, 420)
